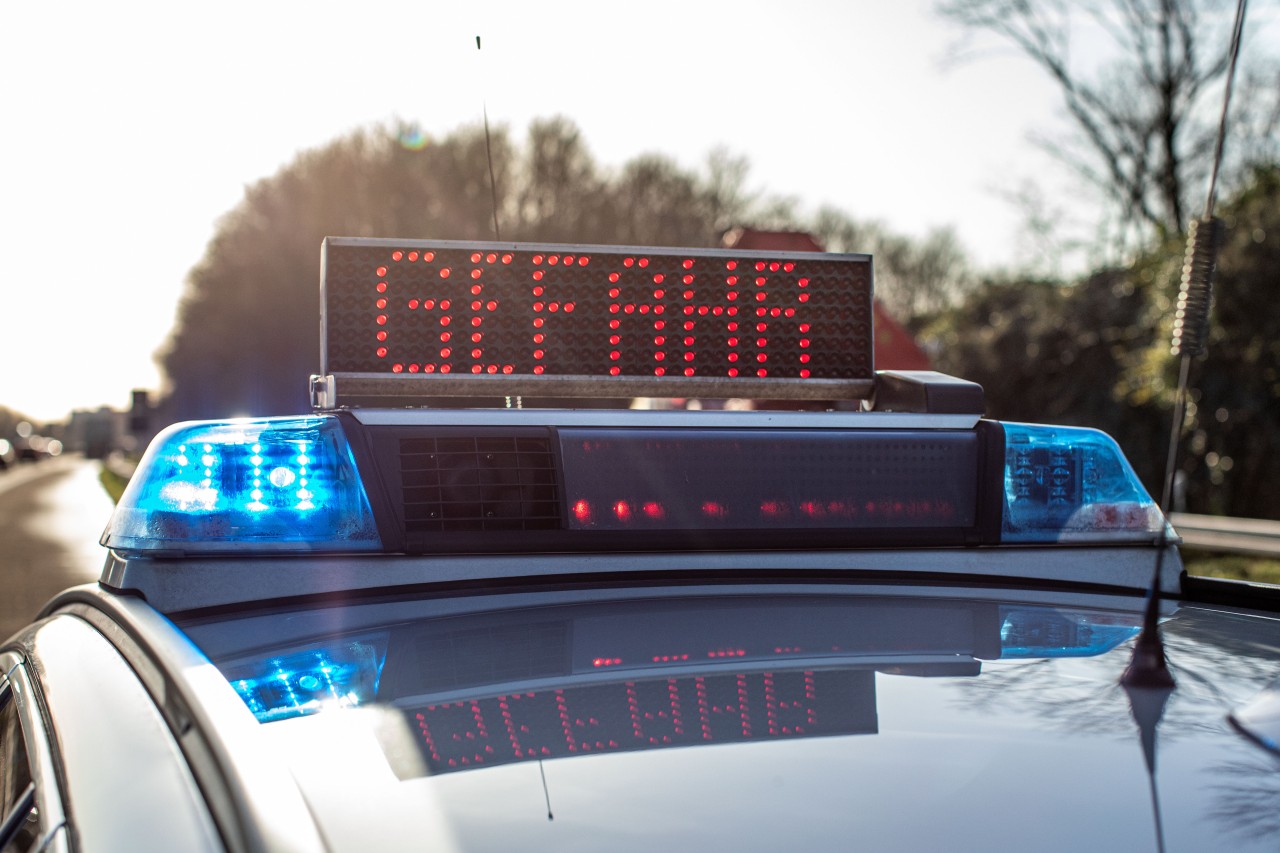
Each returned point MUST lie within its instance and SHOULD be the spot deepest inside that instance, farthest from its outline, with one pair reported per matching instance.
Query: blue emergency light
(276, 484)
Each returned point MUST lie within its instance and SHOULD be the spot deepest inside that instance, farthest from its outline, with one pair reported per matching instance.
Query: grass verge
(113, 483)
(1232, 566)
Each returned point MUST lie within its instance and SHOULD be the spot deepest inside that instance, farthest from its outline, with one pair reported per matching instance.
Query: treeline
(247, 333)
(1095, 352)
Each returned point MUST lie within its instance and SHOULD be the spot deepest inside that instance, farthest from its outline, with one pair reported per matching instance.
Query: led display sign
(442, 309)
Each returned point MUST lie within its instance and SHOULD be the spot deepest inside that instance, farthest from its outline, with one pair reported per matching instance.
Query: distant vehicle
(385, 627)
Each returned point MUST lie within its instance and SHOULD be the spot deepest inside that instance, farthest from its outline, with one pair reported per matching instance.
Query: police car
(889, 625)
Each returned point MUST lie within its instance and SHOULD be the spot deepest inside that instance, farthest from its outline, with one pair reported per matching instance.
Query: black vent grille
(470, 484)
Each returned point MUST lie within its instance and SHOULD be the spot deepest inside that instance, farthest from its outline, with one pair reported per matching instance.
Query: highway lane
(51, 515)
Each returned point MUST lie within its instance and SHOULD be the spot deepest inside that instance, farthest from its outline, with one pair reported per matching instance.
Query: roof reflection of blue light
(294, 683)
(1049, 632)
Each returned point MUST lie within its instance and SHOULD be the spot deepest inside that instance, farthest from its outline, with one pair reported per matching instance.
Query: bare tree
(1144, 115)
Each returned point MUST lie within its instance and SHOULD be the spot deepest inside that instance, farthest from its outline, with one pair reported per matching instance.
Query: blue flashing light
(273, 484)
(1066, 484)
(1050, 632)
(307, 680)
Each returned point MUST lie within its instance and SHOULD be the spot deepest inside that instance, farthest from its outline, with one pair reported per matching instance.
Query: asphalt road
(51, 515)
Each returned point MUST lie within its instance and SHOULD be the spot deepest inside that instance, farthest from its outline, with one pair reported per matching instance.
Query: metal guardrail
(1251, 536)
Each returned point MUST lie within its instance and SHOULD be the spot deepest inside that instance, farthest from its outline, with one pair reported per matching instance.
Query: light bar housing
(545, 481)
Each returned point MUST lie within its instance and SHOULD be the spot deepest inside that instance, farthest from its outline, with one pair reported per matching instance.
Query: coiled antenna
(1195, 294)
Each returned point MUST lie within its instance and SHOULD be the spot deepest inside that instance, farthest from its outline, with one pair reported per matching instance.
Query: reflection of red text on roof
(895, 348)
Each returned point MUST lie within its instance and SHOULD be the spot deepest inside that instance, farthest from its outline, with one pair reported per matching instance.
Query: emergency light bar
(331, 483)
(408, 319)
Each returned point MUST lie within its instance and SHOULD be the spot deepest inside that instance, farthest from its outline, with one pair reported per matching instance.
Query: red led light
(397, 368)
(622, 510)
(553, 259)
(446, 352)
(490, 258)
(657, 279)
(413, 304)
(446, 320)
(644, 262)
(539, 338)
(475, 338)
(659, 371)
(380, 272)
(654, 510)
(583, 261)
(382, 335)
(475, 368)
(382, 319)
(445, 337)
(538, 369)
(582, 511)
(506, 259)
(413, 368)
(688, 371)
(475, 257)
(615, 371)
(381, 303)
(711, 509)
(395, 256)
(413, 256)
(445, 273)
(537, 276)
(537, 259)
(382, 287)
(382, 352)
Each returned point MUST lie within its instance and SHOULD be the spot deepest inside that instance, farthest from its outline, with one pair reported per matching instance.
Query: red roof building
(895, 348)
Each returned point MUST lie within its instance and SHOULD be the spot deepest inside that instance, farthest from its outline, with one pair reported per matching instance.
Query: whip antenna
(1190, 333)
(488, 153)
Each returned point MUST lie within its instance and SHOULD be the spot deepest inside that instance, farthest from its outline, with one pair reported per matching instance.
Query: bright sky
(129, 128)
